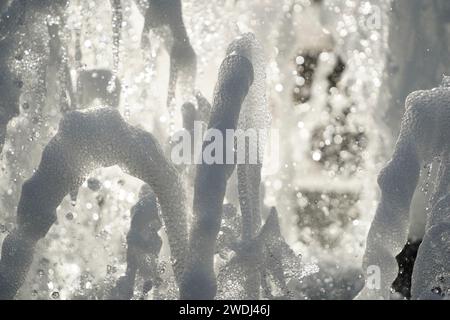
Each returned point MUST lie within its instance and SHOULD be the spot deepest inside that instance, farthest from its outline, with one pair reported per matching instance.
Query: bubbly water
(316, 71)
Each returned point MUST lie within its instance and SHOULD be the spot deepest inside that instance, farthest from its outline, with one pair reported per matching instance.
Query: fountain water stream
(325, 74)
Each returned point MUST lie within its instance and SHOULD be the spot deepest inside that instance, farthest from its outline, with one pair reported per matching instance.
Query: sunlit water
(331, 147)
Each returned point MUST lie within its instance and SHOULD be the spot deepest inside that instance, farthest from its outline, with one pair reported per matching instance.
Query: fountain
(83, 217)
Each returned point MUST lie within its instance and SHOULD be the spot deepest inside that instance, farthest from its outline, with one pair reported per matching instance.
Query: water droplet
(94, 184)
(279, 88)
(69, 216)
(316, 156)
(300, 60)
